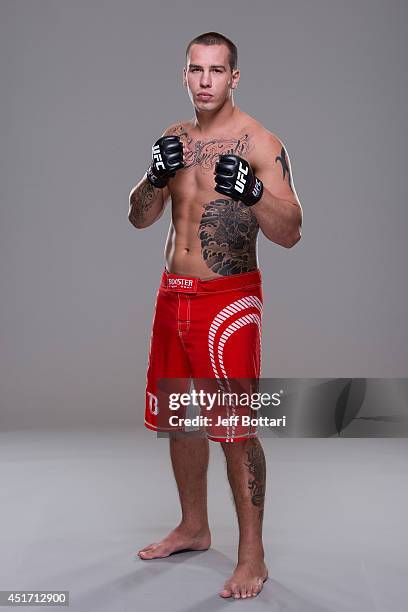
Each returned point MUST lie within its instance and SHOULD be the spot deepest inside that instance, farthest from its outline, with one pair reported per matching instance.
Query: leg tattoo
(257, 468)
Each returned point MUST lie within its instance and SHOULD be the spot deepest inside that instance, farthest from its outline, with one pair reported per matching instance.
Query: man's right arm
(146, 203)
(148, 199)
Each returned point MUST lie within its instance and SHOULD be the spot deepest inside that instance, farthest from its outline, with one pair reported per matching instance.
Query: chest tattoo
(227, 232)
(204, 153)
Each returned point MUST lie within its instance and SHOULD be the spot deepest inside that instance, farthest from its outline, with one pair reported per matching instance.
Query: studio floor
(76, 505)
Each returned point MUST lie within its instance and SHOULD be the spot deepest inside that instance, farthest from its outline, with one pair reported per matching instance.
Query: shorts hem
(158, 429)
(209, 436)
(231, 439)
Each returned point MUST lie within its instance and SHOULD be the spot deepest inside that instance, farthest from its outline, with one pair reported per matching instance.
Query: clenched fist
(167, 158)
(235, 178)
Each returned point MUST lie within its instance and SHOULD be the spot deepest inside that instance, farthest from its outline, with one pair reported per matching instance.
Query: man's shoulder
(260, 134)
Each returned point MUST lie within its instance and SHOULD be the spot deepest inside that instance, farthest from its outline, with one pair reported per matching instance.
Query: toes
(146, 551)
(241, 591)
(149, 553)
(144, 554)
(146, 548)
(236, 592)
(257, 588)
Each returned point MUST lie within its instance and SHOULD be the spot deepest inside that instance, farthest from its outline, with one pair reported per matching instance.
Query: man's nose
(205, 80)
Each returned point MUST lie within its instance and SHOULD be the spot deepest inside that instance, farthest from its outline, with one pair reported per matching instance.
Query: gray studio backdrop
(86, 88)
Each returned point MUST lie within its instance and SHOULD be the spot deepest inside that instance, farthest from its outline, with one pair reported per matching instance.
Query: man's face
(208, 72)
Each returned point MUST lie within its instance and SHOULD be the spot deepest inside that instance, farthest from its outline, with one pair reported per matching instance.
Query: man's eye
(197, 69)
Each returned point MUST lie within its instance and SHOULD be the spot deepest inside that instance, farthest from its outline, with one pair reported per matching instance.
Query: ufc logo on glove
(157, 157)
(240, 182)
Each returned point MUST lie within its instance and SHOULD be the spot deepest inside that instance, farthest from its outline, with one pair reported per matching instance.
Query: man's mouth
(203, 96)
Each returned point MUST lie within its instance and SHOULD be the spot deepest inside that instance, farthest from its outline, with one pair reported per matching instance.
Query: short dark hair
(215, 38)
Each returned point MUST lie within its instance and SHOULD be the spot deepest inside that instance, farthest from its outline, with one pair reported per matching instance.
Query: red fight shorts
(205, 329)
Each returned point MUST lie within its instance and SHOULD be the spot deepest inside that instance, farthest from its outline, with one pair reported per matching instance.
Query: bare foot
(178, 539)
(246, 581)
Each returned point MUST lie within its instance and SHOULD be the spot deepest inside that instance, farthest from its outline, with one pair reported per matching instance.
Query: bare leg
(189, 457)
(246, 471)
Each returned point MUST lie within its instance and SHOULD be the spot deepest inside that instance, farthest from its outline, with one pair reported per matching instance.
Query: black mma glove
(235, 178)
(167, 158)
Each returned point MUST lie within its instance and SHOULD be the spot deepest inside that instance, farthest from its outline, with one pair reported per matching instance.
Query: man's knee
(240, 446)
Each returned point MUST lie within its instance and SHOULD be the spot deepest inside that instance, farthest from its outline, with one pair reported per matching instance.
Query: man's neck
(212, 121)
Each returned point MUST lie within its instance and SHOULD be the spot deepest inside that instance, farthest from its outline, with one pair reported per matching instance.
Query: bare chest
(200, 157)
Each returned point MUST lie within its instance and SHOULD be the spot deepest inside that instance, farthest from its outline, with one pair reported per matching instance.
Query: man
(227, 176)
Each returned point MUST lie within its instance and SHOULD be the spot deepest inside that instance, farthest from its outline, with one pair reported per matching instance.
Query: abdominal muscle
(190, 241)
(183, 254)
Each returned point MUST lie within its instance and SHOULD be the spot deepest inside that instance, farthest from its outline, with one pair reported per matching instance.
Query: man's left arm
(278, 211)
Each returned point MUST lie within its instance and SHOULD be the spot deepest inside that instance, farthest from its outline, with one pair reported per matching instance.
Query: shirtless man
(218, 205)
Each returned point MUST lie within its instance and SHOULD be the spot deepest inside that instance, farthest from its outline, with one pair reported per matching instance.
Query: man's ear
(235, 78)
(184, 78)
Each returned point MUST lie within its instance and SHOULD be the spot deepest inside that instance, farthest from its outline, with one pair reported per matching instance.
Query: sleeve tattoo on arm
(143, 199)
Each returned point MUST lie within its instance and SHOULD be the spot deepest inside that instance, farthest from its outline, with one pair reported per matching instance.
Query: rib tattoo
(228, 231)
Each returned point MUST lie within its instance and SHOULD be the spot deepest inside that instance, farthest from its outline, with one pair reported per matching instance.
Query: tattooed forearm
(228, 231)
(257, 468)
(285, 166)
(141, 200)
